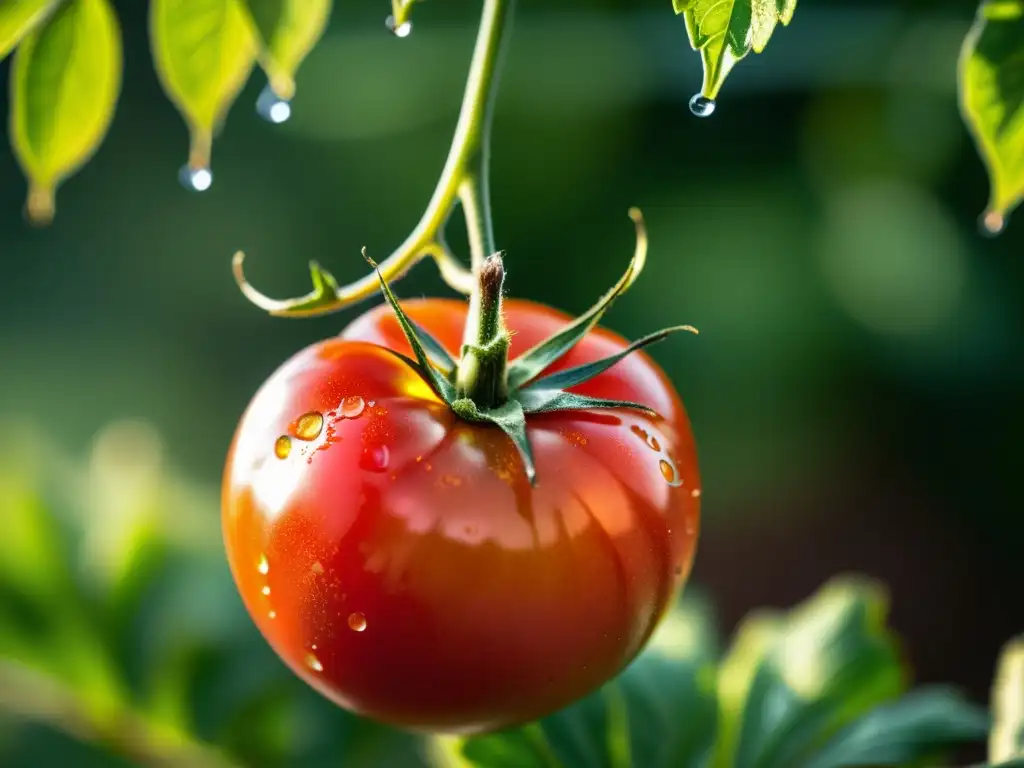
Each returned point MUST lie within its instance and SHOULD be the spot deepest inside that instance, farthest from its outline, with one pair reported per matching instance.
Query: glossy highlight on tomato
(397, 558)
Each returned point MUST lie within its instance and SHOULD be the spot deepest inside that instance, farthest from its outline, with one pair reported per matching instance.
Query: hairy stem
(482, 372)
(464, 178)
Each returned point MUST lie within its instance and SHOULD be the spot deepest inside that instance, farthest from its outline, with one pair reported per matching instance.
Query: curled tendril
(327, 296)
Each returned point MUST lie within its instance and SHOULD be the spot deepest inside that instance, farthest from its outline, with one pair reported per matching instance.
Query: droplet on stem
(272, 107)
(195, 179)
(398, 30)
(992, 223)
(702, 106)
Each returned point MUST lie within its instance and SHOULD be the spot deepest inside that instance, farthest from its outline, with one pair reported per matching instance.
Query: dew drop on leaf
(309, 425)
(272, 107)
(195, 179)
(352, 407)
(356, 622)
(992, 223)
(702, 106)
(398, 30)
(283, 447)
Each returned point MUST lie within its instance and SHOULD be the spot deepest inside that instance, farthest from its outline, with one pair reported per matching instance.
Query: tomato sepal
(533, 362)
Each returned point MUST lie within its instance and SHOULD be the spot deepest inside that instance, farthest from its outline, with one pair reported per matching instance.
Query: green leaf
(64, 86)
(435, 350)
(724, 31)
(18, 18)
(1006, 741)
(287, 31)
(792, 681)
(204, 51)
(532, 363)
(914, 727)
(572, 376)
(991, 80)
(659, 713)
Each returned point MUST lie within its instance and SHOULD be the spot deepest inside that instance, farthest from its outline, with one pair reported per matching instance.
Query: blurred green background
(855, 390)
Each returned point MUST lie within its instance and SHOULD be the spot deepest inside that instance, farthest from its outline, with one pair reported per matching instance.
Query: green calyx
(483, 385)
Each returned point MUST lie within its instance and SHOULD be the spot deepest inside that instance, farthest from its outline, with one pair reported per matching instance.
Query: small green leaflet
(992, 102)
(287, 30)
(65, 81)
(204, 51)
(1006, 742)
(18, 18)
(724, 31)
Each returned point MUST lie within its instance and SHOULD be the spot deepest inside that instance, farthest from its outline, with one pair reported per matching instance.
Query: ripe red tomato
(397, 558)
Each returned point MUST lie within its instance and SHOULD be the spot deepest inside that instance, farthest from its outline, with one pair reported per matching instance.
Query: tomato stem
(482, 372)
(464, 180)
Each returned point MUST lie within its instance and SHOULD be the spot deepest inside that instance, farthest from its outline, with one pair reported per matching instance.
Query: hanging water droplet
(264, 566)
(309, 425)
(992, 223)
(374, 458)
(272, 107)
(398, 30)
(702, 106)
(314, 663)
(352, 407)
(195, 179)
(283, 447)
(356, 622)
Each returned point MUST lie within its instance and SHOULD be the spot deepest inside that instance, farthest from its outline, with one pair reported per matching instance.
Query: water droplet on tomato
(356, 622)
(992, 223)
(452, 481)
(266, 591)
(283, 447)
(317, 568)
(352, 407)
(371, 403)
(398, 30)
(272, 107)
(264, 566)
(374, 458)
(695, 493)
(669, 473)
(314, 663)
(272, 615)
(309, 425)
(195, 179)
(702, 106)
(649, 440)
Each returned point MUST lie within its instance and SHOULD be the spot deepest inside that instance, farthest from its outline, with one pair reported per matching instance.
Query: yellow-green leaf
(18, 18)
(992, 101)
(724, 31)
(1006, 741)
(204, 51)
(64, 87)
(287, 31)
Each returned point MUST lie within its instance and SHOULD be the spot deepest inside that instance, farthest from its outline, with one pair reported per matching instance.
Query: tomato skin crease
(400, 562)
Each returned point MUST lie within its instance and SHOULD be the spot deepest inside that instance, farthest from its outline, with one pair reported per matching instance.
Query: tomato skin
(403, 566)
